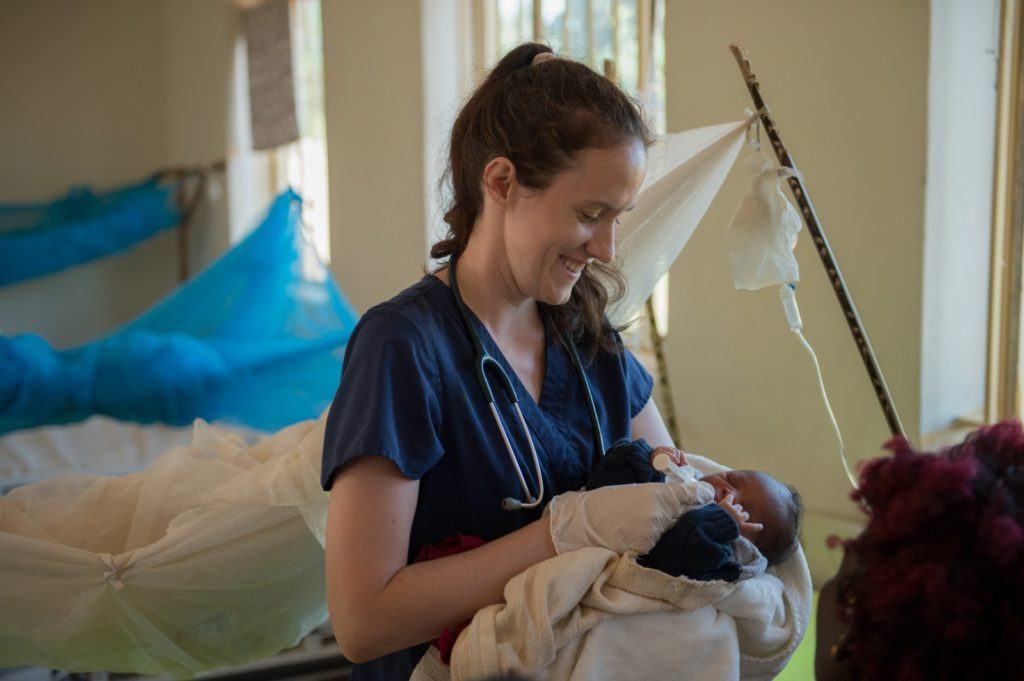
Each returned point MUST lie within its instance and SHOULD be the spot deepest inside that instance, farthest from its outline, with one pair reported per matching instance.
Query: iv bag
(763, 232)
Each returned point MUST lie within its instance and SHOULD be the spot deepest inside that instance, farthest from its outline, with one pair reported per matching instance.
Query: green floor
(801, 665)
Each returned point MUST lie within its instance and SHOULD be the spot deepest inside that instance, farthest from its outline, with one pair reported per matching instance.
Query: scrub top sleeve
(388, 401)
(639, 383)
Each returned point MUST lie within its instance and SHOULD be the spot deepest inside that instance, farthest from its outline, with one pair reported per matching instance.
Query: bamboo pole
(187, 206)
(667, 401)
(810, 218)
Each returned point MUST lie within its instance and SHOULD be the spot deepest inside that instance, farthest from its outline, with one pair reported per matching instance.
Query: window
(626, 33)
(625, 37)
(302, 165)
(256, 177)
(1003, 384)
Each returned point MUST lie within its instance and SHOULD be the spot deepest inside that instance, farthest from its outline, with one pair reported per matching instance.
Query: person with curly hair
(933, 588)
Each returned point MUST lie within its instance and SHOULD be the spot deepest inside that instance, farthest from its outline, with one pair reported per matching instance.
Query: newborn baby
(701, 545)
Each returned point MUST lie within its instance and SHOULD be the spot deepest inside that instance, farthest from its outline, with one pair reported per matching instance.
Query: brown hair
(539, 117)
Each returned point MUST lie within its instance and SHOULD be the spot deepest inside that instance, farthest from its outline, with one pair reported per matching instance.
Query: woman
(545, 156)
(933, 588)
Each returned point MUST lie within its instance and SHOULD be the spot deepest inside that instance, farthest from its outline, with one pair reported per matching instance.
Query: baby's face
(760, 495)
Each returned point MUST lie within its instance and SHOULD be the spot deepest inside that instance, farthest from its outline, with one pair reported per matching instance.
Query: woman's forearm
(423, 599)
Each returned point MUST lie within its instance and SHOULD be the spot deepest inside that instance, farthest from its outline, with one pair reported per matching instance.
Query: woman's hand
(623, 518)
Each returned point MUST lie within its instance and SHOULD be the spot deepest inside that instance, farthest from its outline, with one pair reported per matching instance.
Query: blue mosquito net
(43, 238)
(256, 339)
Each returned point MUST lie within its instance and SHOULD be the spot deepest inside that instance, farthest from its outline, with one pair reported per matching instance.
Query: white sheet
(97, 446)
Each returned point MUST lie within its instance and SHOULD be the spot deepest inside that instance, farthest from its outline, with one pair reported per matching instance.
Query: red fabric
(449, 546)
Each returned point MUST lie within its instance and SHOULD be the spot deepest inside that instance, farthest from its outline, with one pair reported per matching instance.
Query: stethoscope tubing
(482, 360)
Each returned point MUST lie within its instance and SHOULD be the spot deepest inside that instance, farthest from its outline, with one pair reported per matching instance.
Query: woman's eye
(586, 217)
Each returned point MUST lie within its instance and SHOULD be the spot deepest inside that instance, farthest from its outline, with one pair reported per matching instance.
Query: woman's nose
(602, 245)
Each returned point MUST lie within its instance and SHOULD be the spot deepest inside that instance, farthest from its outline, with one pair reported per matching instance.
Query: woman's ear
(498, 178)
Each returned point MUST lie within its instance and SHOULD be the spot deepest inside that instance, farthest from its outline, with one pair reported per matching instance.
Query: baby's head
(776, 506)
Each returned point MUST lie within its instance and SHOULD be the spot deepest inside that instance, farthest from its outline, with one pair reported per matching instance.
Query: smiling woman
(545, 156)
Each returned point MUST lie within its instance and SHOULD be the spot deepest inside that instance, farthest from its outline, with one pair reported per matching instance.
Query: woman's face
(553, 234)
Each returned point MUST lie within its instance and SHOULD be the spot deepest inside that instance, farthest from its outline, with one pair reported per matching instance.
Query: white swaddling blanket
(592, 614)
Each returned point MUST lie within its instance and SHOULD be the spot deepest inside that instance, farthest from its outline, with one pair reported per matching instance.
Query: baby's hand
(741, 517)
(676, 456)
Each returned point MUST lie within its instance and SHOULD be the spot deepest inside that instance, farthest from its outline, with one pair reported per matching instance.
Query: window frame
(1003, 384)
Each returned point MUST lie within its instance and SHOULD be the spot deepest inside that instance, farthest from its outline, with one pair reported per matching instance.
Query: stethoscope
(483, 361)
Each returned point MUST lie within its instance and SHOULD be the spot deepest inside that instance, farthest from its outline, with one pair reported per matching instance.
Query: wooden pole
(810, 218)
(187, 205)
(667, 401)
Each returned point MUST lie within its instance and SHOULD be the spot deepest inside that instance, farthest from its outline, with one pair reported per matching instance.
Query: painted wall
(83, 104)
(847, 84)
(373, 100)
(104, 92)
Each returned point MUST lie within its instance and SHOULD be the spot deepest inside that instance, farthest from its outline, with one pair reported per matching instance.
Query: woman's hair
(539, 117)
(940, 592)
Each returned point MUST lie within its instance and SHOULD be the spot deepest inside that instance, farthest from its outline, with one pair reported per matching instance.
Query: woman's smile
(572, 266)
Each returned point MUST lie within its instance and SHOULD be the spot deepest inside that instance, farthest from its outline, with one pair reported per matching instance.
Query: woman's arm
(649, 425)
(377, 603)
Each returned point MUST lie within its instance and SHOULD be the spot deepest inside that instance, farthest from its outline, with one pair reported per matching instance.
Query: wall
(373, 100)
(847, 84)
(104, 92)
(198, 54)
(83, 104)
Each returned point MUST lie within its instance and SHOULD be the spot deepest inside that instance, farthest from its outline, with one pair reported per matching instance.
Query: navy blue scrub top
(409, 392)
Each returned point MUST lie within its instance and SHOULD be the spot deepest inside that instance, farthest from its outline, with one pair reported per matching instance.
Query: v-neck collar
(548, 420)
(546, 417)
(552, 388)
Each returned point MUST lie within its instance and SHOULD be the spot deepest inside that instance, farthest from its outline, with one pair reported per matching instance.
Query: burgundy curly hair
(940, 589)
